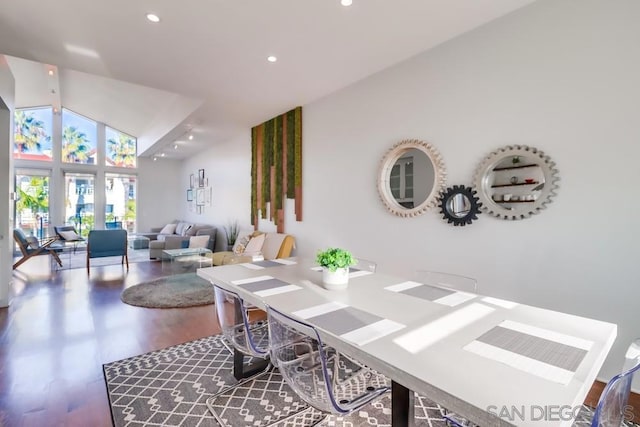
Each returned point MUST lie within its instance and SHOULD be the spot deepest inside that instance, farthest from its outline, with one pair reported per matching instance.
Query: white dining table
(492, 361)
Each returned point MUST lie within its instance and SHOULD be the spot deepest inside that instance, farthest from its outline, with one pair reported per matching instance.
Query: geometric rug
(178, 290)
(170, 387)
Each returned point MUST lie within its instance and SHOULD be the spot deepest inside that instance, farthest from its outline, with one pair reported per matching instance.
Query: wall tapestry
(276, 167)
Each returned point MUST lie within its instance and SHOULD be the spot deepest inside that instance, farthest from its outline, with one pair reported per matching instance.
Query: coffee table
(175, 261)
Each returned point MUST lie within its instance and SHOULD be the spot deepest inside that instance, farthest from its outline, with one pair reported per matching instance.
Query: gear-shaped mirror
(516, 181)
(459, 205)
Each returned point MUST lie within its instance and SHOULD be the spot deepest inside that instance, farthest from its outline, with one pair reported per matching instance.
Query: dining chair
(447, 280)
(364, 265)
(327, 380)
(31, 246)
(249, 336)
(246, 328)
(457, 283)
(612, 407)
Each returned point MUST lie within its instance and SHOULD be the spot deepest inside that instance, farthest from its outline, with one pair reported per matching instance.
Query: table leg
(402, 406)
(241, 371)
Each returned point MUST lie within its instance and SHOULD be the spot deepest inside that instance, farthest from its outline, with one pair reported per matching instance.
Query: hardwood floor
(62, 326)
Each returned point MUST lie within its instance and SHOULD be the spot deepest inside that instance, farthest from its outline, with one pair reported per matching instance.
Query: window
(79, 201)
(401, 181)
(79, 136)
(120, 149)
(32, 134)
(32, 202)
(120, 209)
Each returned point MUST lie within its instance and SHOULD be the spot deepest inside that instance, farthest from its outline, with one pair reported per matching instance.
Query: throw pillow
(33, 242)
(69, 235)
(168, 229)
(186, 229)
(240, 245)
(198, 241)
(255, 244)
(179, 228)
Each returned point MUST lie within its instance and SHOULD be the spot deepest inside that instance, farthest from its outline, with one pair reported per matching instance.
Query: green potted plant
(335, 263)
(232, 231)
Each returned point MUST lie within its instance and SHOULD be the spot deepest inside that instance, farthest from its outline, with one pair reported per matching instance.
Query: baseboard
(596, 391)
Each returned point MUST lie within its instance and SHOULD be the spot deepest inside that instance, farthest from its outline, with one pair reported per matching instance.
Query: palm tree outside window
(79, 136)
(121, 149)
(32, 134)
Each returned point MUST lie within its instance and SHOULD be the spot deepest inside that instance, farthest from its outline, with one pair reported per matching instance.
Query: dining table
(492, 361)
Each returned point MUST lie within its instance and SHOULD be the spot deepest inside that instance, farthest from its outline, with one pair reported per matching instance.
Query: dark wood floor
(61, 327)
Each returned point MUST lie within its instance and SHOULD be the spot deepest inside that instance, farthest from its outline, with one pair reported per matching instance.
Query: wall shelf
(515, 167)
(515, 185)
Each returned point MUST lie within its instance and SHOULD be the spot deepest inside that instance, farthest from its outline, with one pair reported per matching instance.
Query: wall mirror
(459, 205)
(516, 182)
(411, 176)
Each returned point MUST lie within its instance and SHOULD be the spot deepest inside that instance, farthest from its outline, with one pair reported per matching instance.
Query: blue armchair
(105, 243)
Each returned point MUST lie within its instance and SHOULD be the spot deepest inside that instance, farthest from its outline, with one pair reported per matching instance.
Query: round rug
(179, 290)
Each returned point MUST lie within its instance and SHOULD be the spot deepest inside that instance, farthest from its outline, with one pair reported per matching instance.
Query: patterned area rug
(171, 387)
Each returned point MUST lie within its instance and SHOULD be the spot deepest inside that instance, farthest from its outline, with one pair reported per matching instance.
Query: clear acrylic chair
(447, 280)
(234, 315)
(457, 283)
(246, 337)
(612, 407)
(328, 381)
(364, 265)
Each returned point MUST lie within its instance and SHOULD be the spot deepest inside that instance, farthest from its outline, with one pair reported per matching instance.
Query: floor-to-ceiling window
(32, 201)
(121, 200)
(73, 156)
(80, 201)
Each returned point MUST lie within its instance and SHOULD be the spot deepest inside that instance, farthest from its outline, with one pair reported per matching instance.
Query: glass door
(32, 204)
(79, 201)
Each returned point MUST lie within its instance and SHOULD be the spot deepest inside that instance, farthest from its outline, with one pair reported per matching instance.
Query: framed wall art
(200, 196)
(190, 195)
(200, 177)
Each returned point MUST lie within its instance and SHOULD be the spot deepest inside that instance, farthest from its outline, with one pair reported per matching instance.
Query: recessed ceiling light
(190, 137)
(155, 158)
(346, 2)
(162, 154)
(175, 146)
(51, 72)
(272, 58)
(153, 17)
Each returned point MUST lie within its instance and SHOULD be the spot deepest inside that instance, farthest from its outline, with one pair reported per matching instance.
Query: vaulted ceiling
(203, 67)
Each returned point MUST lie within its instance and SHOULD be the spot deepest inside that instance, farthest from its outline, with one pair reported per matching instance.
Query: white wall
(7, 97)
(560, 75)
(159, 192)
(228, 168)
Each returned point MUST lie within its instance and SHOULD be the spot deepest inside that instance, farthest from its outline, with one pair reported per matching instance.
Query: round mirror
(410, 177)
(459, 205)
(516, 182)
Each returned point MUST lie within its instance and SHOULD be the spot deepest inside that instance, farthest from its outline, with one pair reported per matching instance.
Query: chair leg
(55, 256)
(87, 263)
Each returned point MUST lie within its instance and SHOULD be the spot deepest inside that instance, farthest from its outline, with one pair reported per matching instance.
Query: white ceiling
(206, 59)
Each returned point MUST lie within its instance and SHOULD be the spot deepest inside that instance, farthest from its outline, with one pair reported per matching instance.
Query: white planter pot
(335, 280)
